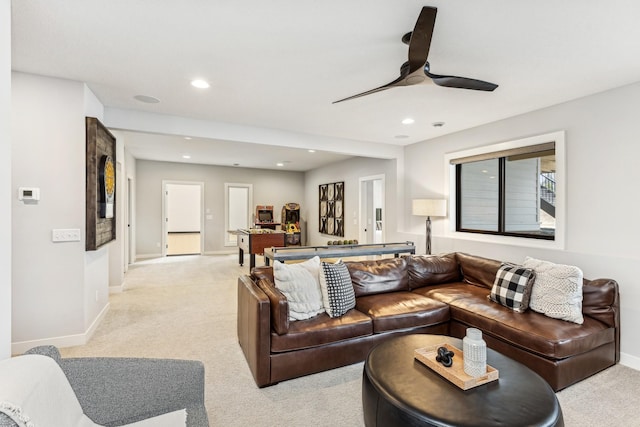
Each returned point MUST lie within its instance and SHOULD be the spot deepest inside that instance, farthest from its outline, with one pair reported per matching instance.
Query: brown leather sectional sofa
(423, 294)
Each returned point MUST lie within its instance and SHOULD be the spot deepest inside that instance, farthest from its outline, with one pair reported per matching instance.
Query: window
(509, 189)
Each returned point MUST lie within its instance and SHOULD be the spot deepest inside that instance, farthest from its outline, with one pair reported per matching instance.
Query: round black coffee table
(398, 390)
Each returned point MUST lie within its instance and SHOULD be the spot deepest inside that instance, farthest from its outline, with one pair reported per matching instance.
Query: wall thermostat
(28, 193)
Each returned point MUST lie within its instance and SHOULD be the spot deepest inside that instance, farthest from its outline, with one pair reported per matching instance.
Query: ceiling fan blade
(420, 41)
(397, 82)
(464, 83)
(460, 82)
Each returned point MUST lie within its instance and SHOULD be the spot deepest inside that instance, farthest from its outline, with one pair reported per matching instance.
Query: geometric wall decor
(332, 208)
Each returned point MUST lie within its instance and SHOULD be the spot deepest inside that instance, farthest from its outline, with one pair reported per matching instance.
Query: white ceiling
(280, 64)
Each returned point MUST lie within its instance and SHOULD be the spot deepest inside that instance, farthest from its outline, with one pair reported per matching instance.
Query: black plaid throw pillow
(337, 290)
(512, 287)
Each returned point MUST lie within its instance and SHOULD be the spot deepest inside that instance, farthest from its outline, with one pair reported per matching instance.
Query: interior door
(372, 209)
(183, 218)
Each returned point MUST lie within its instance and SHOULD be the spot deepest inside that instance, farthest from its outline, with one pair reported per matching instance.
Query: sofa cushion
(450, 292)
(557, 291)
(300, 284)
(478, 271)
(426, 270)
(402, 310)
(533, 331)
(322, 330)
(374, 277)
(338, 296)
(512, 287)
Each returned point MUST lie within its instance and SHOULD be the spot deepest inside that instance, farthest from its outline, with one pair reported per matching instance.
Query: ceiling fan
(416, 69)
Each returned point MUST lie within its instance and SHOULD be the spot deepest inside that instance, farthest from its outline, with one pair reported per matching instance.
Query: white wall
(269, 188)
(5, 179)
(350, 171)
(602, 152)
(96, 263)
(59, 291)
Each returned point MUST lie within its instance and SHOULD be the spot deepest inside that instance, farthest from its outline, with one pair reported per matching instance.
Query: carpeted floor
(185, 308)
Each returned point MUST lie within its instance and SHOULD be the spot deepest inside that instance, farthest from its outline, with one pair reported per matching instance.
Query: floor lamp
(429, 208)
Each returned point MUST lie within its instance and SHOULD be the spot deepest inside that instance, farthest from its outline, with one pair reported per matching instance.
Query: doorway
(372, 209)
(238, 202)
(182, 213)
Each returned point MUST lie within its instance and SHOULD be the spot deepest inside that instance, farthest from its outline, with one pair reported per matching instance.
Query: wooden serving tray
(455, 373)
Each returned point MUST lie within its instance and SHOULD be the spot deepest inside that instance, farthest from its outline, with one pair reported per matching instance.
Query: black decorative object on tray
(445, 357)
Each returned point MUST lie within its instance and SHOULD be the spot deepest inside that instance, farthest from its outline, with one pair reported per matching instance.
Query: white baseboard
(630, 361)
(63, 341)
(116, 289)
(147, 256)
(229, 252)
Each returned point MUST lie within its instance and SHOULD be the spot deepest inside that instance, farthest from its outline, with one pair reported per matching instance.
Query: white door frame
(362, 235)
(129, 246)
(165, 209)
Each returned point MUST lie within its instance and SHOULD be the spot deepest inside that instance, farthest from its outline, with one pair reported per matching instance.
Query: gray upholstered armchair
(119, 391)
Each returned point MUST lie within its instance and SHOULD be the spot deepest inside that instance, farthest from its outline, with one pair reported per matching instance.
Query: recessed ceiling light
(280, 164)
(146, 99)
(437, 124)
(187, 138)
(401, 136)
(408, 121)
(311, 151)
(186, 156)
(200, 84)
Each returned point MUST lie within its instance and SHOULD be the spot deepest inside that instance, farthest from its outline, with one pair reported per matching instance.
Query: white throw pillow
(300, 284)
(35, 392)
(557, 291)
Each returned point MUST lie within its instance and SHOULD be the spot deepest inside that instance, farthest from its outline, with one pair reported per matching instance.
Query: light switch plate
(65, 235)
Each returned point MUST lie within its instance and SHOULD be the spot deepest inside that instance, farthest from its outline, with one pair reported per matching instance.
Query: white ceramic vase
(474, 353)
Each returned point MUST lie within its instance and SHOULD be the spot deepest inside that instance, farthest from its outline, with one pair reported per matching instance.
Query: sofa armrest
(46, 350)
(117, 391)
(601, 301)
(279, 306)
(254, 329)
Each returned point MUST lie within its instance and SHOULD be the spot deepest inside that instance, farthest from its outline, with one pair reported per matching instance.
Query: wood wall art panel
(100, 185)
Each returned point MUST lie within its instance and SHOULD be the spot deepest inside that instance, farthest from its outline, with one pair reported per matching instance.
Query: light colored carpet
(185, 308)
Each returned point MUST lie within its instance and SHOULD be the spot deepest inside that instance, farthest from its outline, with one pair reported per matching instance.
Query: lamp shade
(429, 207)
